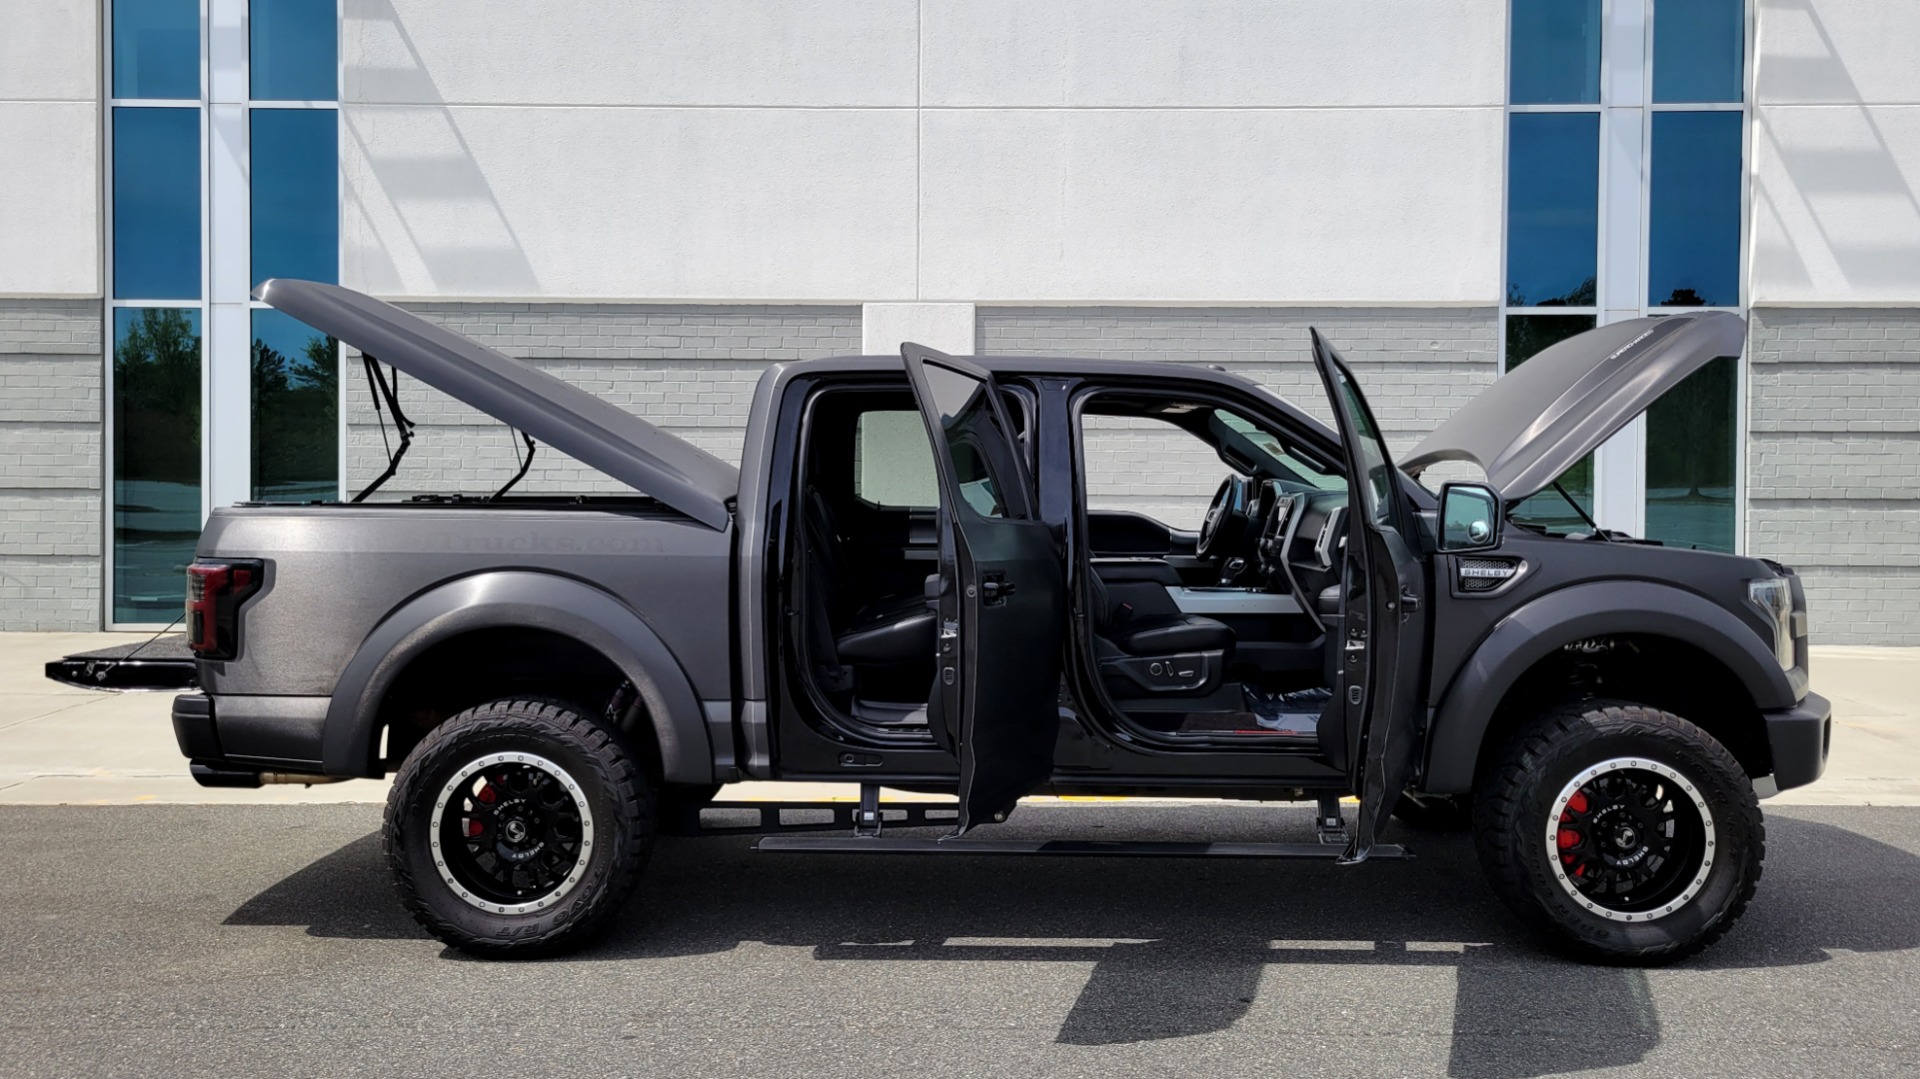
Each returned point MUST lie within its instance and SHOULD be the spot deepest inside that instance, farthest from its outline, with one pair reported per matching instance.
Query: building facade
(657, 199)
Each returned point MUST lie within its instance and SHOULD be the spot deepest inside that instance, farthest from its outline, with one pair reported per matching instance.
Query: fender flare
(1543, 625)
(520, 599)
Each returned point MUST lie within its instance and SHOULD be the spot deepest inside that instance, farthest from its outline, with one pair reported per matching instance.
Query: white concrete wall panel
(1333, 206)
(1835, 216)
(1836, 153)
(580, 203)
(49, 198)
(1214, 52)
(1838, 52)
(631, 52)
(49, 50)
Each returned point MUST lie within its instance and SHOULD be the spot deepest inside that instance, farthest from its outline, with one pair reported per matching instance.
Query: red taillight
(215, 590)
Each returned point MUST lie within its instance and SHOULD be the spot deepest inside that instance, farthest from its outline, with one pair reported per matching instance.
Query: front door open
(1383, 625)
(995, 697)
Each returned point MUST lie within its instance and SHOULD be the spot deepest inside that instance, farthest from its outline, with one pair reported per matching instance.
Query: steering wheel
(1227, 518)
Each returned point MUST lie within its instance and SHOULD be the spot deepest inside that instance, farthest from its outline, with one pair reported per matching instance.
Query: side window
(979, 447)
(1148, 466)
(893, 461)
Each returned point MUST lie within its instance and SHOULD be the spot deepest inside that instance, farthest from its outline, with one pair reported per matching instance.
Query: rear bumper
(278, 734)
(1800, 738)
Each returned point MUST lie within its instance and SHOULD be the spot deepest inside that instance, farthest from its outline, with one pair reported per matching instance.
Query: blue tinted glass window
(156, 459)
(1691, 446)
(296, 194)
(296, 411)
(294, 50)
(1556, 52)
(1527, 337)
(1699, 48)
(156, 204)
(156, 48)
(1553, 209)
(1693, 242)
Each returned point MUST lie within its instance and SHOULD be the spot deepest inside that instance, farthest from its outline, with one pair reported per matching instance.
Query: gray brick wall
(50, 428)
(1417, 365)
(1833, 464)
(691, 369)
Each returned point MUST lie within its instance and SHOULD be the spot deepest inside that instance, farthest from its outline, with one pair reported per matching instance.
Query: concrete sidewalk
(61, 745)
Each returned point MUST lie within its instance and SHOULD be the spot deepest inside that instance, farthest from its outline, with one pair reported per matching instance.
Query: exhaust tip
(213, 775)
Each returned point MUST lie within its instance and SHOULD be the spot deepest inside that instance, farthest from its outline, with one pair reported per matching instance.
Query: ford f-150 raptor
(903, 585)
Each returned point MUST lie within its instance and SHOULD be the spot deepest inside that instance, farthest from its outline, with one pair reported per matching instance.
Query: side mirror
(1470, 518)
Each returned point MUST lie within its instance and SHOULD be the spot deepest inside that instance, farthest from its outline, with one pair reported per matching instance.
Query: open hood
(565, 417)
(1539, 419)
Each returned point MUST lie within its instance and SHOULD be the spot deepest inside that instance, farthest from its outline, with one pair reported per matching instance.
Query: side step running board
(821, 844)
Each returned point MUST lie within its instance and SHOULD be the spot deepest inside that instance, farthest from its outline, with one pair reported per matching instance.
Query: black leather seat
(1157, 655)
(893, 630)
(1156, 634)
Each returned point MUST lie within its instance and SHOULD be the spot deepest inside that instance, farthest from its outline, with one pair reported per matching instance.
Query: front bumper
(1800, 738)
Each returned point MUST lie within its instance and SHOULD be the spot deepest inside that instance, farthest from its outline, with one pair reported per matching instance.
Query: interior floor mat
(1295, 713)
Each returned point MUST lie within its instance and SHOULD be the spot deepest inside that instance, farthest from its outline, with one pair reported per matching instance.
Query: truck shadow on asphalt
(1181, 947)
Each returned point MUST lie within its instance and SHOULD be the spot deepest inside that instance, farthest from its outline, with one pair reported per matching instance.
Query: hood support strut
(525, 464)
(385, 392)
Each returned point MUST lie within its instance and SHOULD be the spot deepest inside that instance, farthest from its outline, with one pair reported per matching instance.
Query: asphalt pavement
(265, 940)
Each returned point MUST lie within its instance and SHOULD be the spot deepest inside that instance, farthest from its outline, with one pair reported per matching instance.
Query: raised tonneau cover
(571, 420)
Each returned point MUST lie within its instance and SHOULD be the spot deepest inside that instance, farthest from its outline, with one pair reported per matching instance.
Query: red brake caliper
(474, 827)
(1569, 837)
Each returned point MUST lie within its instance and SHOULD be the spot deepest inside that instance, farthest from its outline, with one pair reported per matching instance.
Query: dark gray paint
(1542, 417)
(357, 588)
(1550, 621)
(520, 599)
(571, 420)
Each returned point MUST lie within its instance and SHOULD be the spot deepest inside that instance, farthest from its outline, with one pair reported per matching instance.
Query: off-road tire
(615, 788)
(1517, 793)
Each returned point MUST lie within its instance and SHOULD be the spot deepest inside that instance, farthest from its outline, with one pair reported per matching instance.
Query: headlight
(1774, 596)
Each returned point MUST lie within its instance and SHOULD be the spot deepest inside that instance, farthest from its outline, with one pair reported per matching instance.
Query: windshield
(1277, 460)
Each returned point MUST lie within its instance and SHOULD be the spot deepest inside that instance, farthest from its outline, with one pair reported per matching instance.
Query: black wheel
(1626, 833)
(517, 828)
(1434, 812)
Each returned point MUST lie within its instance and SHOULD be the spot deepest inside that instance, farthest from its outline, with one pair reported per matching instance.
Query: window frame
(225, 121)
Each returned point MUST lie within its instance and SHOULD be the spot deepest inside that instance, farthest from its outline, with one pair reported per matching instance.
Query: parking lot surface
(139, 940)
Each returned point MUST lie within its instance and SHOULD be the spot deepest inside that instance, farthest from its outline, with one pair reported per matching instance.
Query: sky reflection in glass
(156, 204)
(296, 194)
(1553, 209)
(1693, 242)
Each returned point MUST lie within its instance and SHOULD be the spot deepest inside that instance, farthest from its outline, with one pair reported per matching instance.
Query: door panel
(995, 697)
(1383, 626)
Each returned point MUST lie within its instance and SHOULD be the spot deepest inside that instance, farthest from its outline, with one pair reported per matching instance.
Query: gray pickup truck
(903, 585)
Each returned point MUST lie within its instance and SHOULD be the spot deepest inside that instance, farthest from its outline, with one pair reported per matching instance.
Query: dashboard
(1300, 541)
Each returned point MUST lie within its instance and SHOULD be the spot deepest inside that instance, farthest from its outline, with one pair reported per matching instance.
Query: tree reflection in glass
(296, 401)
(156, 466)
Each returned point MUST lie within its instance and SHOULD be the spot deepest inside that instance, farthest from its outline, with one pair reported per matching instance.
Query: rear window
(893, 461)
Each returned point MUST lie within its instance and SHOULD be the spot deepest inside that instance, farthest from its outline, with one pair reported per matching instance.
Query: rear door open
(1383, 623)
(994, 703)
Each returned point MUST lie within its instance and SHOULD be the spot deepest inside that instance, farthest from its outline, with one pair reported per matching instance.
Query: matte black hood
(571, 420)
(1542, 417)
